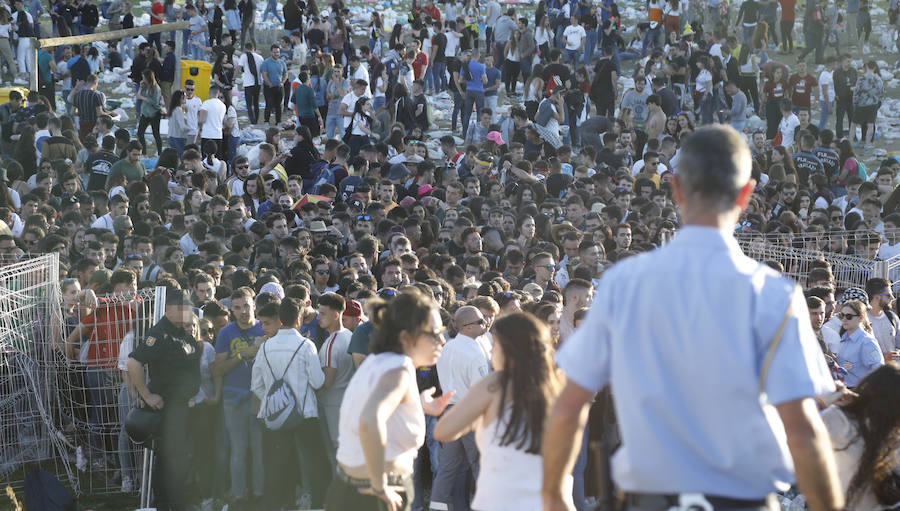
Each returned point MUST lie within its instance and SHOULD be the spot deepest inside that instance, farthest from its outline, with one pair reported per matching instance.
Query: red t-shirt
(787, 9)
(420, 65)
(774, 91)
(110, 323)
(801, 88)
(157, 9)
(434, 12)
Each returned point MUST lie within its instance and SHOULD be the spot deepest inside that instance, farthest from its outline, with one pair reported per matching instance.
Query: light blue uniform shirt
(862, 350)
(680, 334)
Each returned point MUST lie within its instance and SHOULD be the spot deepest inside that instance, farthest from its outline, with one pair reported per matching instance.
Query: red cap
(352, 309)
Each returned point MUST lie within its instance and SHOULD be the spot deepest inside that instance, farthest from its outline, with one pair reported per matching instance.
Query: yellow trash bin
(4, 93)
(201, 73)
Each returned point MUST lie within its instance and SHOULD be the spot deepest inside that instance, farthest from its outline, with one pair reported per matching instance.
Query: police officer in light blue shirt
(690, 382)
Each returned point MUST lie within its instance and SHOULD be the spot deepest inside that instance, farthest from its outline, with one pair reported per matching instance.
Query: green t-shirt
(305, 99)
(132, 173)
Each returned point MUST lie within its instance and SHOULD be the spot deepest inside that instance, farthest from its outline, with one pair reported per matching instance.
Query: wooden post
(33, 59)
(115, 34)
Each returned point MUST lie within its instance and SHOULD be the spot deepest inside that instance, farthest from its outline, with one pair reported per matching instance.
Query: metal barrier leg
(146, 478)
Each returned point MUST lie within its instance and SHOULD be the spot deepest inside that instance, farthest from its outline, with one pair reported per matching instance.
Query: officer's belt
(661, 501)
(392, 479)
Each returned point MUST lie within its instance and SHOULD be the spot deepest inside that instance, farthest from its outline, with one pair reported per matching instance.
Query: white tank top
(509, 479)
(405, 427)
(747, 69)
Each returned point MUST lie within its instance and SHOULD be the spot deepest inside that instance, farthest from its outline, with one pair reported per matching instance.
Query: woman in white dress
(507, 409)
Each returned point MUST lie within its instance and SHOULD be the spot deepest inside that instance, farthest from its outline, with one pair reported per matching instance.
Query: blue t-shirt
(493, 77)
(275, 70)
(477, 70)
(230, 340)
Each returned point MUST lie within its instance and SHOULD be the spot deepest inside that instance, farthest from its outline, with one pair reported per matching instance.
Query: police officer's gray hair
(713, 166)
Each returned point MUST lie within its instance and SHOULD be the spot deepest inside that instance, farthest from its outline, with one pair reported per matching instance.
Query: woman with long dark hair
(25, 152)
(177, 121)
(361, 126)
(865, 434)
(150, 95)
(512, 63)
(507, 409)
(382, 417)
(254, 193)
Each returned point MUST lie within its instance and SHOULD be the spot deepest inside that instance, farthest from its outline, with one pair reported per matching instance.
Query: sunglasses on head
(387, 293)
(366, 218)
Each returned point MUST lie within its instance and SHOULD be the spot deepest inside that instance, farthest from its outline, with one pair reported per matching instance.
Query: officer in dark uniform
(172, 357)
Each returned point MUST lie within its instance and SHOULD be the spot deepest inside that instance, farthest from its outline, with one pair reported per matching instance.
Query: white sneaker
(127, 485)
(305, 501)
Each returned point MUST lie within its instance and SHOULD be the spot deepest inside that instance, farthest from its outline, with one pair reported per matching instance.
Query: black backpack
(44, 492)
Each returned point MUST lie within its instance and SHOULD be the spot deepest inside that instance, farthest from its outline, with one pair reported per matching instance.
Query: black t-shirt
(806, 164)
(610, 158)
(98, 164)
(453, 66)
(693, 62)
(560, 70)
(439, 43)
(829, 158)
(678, 64)
(602, 85)
(315, 37)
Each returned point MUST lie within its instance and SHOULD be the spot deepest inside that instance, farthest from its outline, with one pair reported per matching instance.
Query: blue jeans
(458, 103)
(589, 44)
(491, 102)
(748, 33)
(245, 433)
(707, 107)
(578, 472)
(178, 143)
(378, 102)
(651, 37)
(826, 111)
(272, 7)
(102, 404)
(432, 445)
(126, 457)
(473, 98)
(839, 112)
(525, 67)
(439, 74)
(333, 124)
(198, 53)
(430, 82)
(453, 460)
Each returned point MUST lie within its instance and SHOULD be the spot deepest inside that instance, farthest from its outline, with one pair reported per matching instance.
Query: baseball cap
(352, 309)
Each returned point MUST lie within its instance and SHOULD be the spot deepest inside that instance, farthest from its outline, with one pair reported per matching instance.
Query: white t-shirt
(192, 106)
(786, 127)
(452, 44)
(215, 116)
(826, 78)
(574, 34)
(704, 81)
(247, 77)
(349, 100)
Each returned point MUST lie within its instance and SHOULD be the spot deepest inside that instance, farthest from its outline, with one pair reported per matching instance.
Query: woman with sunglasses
(507, 409)
(860, 353)
(382, 417)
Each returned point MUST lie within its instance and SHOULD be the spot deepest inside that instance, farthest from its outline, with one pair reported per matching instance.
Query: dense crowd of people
(432, 210)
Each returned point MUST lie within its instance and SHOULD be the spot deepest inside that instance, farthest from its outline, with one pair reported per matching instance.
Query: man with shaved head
(463, 362)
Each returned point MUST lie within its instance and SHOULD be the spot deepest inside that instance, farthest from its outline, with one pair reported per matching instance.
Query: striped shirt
(87, 101)
(334, 354)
